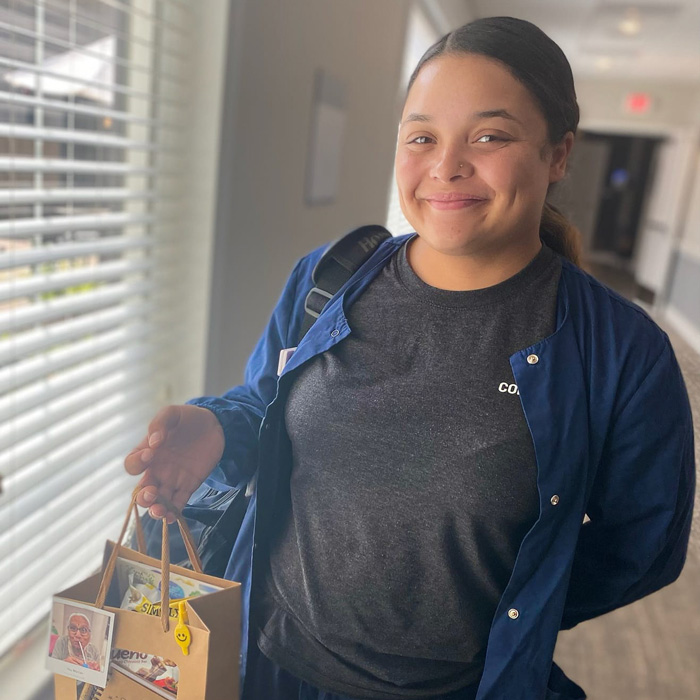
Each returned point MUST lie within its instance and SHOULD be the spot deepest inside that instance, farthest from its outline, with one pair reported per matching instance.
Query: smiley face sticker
(182, 632)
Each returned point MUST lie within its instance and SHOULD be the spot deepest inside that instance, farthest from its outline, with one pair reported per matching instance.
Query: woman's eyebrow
(490, 113)
(487, 114)
(415, 117)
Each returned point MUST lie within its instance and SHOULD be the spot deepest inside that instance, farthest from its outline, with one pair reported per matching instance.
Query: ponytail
(559, 234)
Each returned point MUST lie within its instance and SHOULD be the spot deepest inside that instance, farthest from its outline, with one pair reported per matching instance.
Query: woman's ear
(560, 155)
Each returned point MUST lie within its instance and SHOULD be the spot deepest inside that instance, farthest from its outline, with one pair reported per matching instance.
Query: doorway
(624, 188)
(605, 196)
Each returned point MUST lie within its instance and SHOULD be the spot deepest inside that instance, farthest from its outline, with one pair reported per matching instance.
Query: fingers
(134, 462)
(164, 421)
(162, 500)
(147, 496)
(159, 511)
(180, 497)
(153, 490)
(177, 501)
(162, 481)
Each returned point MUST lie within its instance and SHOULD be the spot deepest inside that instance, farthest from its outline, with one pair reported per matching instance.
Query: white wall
(263, 222)
(206, 85)
(447, 15)
(690, 240)
(683, 303)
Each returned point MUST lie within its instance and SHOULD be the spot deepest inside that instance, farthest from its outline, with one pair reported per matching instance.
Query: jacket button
(335, 332)
(532, 359)
(513, 614)
(554, 499)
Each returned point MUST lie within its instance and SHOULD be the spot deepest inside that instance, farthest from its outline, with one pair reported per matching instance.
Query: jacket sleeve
(641, 503)
(241, 409)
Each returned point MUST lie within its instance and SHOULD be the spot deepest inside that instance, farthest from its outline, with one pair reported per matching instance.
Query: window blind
(93, 140)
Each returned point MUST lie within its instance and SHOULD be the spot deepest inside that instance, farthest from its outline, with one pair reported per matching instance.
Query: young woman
(425, 460)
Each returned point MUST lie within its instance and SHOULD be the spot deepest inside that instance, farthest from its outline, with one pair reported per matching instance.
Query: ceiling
(662, 43)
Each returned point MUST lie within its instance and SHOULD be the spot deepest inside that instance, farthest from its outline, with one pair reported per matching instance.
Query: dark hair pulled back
(541, 66)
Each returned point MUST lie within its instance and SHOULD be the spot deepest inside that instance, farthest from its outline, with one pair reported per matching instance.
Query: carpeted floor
(649, 650)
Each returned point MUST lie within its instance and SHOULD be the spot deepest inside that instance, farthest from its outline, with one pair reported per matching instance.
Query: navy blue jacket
(610, 420)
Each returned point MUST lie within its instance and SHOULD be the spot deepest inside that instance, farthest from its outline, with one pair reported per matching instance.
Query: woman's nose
(450, 165)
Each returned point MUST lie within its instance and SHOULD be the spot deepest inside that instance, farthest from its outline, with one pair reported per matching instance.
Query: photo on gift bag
(157, 673)
(80, 641)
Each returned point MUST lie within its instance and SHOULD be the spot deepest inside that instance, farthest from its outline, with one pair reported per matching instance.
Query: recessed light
(631, 24)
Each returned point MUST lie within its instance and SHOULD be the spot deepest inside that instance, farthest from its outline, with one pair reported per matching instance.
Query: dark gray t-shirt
(413, 484)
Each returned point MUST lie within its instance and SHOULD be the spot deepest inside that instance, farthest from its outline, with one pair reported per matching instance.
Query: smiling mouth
(454, 203)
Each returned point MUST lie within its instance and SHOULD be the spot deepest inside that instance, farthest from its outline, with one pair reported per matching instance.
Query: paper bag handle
(187, 538)
(164, 562)
(164, 559)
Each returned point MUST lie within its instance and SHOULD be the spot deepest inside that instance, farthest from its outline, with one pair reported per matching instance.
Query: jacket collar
(332, 325)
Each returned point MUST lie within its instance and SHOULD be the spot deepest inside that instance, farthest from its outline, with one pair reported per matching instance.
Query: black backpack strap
(339, 262)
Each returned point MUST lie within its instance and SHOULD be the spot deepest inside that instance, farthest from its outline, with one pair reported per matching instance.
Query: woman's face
(473, 161)
(79, 632)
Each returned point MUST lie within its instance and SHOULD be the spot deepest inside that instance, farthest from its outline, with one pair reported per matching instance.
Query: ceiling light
(631, 25)
(603, 63)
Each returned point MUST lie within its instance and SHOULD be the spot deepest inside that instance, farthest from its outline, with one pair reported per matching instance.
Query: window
(94, 268)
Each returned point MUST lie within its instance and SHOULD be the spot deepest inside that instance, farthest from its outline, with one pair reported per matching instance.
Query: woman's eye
(491, 138)
(420, 140)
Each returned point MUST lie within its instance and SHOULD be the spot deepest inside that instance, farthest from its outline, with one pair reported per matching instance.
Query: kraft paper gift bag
(202, 663)
(119, 687)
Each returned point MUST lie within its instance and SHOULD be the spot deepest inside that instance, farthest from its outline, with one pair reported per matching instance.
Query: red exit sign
(638, 102)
